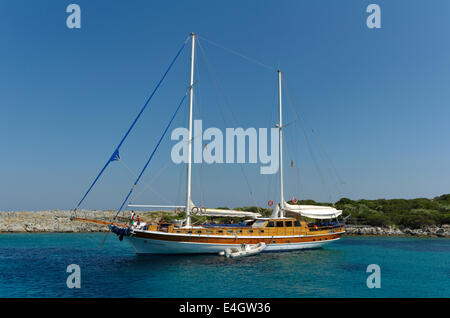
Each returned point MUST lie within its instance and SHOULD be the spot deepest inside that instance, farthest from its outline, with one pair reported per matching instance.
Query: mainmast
(189, 150)
(280, 127)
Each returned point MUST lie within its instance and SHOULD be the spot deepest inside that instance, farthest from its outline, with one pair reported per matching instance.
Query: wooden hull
(147, 242)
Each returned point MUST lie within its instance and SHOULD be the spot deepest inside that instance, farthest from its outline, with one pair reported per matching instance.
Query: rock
(57, 221)
(49, 221)
(434, 231)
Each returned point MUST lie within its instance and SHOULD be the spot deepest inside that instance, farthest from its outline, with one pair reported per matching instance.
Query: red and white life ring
(294, 200)
(270, 203)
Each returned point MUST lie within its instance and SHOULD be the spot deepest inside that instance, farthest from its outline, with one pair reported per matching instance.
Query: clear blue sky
(378, 99)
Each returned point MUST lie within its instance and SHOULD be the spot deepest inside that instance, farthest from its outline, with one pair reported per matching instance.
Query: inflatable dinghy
(244, 250)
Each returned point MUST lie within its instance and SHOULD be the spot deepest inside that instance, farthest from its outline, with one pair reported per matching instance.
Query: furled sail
(313, 211)
(203, 211)
(229, 213)
(222, 213)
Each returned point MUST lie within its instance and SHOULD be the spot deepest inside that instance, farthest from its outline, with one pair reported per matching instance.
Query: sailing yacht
(285, 230)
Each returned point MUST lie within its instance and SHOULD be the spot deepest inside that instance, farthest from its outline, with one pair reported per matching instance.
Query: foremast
(189, 150)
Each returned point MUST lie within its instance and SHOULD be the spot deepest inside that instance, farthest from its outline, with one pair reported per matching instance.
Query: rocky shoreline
(52, 221)
(58, 221)
(427, 231)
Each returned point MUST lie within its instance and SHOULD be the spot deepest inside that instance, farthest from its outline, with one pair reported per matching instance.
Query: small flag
(115, 156)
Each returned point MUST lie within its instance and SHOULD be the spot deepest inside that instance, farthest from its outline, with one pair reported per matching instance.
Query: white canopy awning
(313, 211)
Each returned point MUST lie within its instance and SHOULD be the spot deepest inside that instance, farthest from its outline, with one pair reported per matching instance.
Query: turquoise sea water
(34, 265)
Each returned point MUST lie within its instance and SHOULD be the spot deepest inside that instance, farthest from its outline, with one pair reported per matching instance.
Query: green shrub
(378, 220)
(412, 213)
